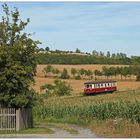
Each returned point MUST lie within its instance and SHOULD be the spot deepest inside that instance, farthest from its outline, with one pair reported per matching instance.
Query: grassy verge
(35, 130)
(115, 128)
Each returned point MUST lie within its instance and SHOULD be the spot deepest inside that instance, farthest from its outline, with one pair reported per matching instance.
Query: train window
(103, 85)
(87, 86)
(110, 84)
(92, 85)
(98, 85)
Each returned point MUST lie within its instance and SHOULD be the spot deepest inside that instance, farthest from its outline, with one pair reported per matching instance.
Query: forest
(77, 57)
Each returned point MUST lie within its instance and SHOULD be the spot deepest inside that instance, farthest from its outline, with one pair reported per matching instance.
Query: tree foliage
(58, 88)
(17, 60)
(64, 74)
(64, 58)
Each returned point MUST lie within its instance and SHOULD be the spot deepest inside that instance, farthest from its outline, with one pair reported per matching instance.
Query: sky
(101, 26)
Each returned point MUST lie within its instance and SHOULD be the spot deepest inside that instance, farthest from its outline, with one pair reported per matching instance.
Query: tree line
(47, 56)
(74, 59)
(107, 72)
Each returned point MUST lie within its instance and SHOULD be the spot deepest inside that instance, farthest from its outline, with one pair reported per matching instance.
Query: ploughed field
(78, 85)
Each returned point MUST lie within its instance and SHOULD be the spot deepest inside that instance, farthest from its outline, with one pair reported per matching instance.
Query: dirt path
(60, 131)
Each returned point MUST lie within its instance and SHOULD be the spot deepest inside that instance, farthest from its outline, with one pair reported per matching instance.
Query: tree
(112, 71)
(47, 70)
(136, 67)
(41, 49)
(108, 54)
(73, 71)
(77, 50)
(97, 73)
(47, 90)
(17, 61)
(89, 73)
(64, 74)
(95, 53)
(47, 49)
(58, 88)
(55, 71)
(138, 77)
(101, 54)
(82, 72)
(62, 88)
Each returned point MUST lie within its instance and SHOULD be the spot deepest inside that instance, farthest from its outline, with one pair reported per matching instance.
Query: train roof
(100, 81)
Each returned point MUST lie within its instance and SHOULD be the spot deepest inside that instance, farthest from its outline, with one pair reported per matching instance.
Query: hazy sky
(101, 26)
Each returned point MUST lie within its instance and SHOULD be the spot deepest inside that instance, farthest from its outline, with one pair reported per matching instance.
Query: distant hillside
(63, 58)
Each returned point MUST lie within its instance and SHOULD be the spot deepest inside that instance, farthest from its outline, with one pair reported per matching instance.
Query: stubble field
(77, 85)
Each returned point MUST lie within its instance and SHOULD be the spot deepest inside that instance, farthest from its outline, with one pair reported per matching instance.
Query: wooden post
(17, 119)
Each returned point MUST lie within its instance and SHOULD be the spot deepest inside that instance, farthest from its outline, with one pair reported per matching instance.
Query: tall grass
(101, 111)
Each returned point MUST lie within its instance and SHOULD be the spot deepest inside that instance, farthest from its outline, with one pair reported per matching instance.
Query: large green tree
(17, 60)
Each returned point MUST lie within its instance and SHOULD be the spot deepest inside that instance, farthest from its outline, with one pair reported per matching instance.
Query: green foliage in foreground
(59, 88)
(103, 111)
(17, 61)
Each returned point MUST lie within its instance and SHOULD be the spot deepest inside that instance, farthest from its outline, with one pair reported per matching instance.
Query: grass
(115, 128)
(35, 130)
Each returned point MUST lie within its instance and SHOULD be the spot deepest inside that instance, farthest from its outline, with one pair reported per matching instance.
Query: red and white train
(100, 86)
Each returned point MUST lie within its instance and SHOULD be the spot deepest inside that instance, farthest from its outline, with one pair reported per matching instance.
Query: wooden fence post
(17, 119)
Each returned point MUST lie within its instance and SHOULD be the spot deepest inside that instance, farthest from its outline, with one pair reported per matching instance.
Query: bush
(64, 74)
(77, 77)
(62, 88)
(138, 77)
(47, 90)
(59, 89)
(47, 70)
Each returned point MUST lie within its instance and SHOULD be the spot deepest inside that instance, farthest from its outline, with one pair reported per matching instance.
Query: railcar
(100, 86)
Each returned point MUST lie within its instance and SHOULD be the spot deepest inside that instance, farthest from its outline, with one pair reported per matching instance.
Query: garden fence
(12, 119)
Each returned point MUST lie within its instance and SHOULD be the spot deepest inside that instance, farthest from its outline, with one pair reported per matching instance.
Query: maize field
(102, 111)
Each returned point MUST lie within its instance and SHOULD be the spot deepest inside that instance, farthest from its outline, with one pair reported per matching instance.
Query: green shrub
(77, 77)
(138, 77)
(59, 88)
(62, 88)
(64, 74)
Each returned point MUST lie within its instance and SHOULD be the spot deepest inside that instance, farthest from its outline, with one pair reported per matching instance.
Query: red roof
(100, 81)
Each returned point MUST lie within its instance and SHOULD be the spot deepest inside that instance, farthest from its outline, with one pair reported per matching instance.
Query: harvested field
(77, 85)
